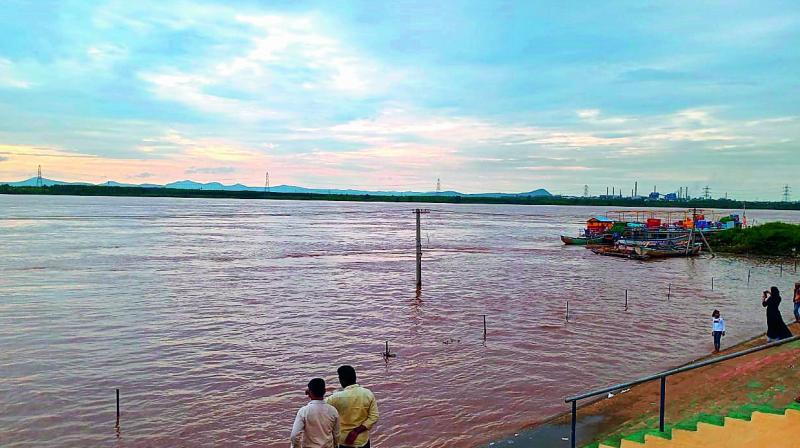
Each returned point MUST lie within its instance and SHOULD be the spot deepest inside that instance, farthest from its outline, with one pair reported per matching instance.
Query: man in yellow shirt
(357, 408)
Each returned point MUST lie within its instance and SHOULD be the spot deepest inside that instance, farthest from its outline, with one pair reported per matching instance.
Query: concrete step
(763, 430)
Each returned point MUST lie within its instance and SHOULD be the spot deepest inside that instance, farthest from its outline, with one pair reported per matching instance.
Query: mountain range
(192, 185)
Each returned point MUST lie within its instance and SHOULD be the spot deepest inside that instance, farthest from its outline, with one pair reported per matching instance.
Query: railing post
(663, 399)
(574, 419)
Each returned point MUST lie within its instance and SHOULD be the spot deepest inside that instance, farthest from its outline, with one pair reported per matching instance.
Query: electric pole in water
(786, 190)
(418, 212)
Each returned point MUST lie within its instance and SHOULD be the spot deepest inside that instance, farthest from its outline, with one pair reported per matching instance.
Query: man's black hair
(347, 375)
(317, 387)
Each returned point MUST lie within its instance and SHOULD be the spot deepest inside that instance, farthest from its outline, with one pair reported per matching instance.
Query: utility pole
(786, 190)
(39, 182)
(418, 212)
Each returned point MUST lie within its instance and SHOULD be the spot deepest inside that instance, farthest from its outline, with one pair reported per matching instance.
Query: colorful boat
(650, 225)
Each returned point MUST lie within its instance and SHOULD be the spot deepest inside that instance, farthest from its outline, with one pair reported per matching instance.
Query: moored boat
(581, 240)
(678, 250)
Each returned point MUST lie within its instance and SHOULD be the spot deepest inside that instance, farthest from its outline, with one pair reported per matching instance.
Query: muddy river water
(211, 315)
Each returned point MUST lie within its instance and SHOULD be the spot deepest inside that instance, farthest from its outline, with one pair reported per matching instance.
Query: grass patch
(775, 238)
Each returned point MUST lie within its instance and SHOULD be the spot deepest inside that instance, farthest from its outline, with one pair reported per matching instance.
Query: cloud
(144, 175)
(647, 74)
(211, 170)
(554, 168)
(285, 59)
(324, 94)
(9, 78)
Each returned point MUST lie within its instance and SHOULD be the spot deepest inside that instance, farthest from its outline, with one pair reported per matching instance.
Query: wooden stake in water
(566, 316)
(387, 354)
(117, 408)
(781, 269)
(712, 283)
(419, 251)
(626, 300)
(669, 291)
(749, 271)
(484, 327)
(418, 212)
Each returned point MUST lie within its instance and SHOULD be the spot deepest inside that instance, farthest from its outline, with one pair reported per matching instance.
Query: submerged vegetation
(776, 238)
(101, 190)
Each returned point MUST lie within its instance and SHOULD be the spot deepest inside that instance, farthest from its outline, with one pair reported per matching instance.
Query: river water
(211, 315)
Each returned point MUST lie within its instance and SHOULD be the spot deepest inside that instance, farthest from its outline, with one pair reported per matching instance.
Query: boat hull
(580, 241)
(655, 252)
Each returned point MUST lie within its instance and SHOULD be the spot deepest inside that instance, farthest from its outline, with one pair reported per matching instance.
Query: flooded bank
(211, 315)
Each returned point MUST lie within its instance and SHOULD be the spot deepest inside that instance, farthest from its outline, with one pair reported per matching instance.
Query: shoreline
(636, 409)
(95, 190)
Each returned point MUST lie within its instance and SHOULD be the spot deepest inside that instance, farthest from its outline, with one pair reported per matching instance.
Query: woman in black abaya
(776, 328)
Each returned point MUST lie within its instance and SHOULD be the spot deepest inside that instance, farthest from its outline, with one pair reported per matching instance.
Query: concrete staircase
(774, 429)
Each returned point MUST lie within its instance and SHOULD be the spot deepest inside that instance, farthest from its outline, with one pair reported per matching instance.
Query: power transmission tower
(438, 185)
(39, 182)
(786, 190)
(586, 191)
(266, 182)
(706, 192)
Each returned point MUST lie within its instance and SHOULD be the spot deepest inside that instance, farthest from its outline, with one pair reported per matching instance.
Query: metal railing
(663, 377)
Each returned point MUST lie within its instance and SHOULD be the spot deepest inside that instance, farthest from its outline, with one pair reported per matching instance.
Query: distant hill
(541, 192)
(32, 182)
(192, 185)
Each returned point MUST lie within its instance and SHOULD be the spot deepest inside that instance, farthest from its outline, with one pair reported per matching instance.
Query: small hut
(598, 224)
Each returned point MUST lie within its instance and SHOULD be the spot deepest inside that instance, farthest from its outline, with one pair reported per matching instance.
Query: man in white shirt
(317, 423)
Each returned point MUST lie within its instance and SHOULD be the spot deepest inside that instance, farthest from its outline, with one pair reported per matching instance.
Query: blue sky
(487, 96)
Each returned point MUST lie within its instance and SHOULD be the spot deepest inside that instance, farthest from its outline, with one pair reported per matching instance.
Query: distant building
(654, 195)
(671, 197)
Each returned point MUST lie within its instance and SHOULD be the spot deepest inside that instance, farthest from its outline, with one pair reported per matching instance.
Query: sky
(484, 95)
